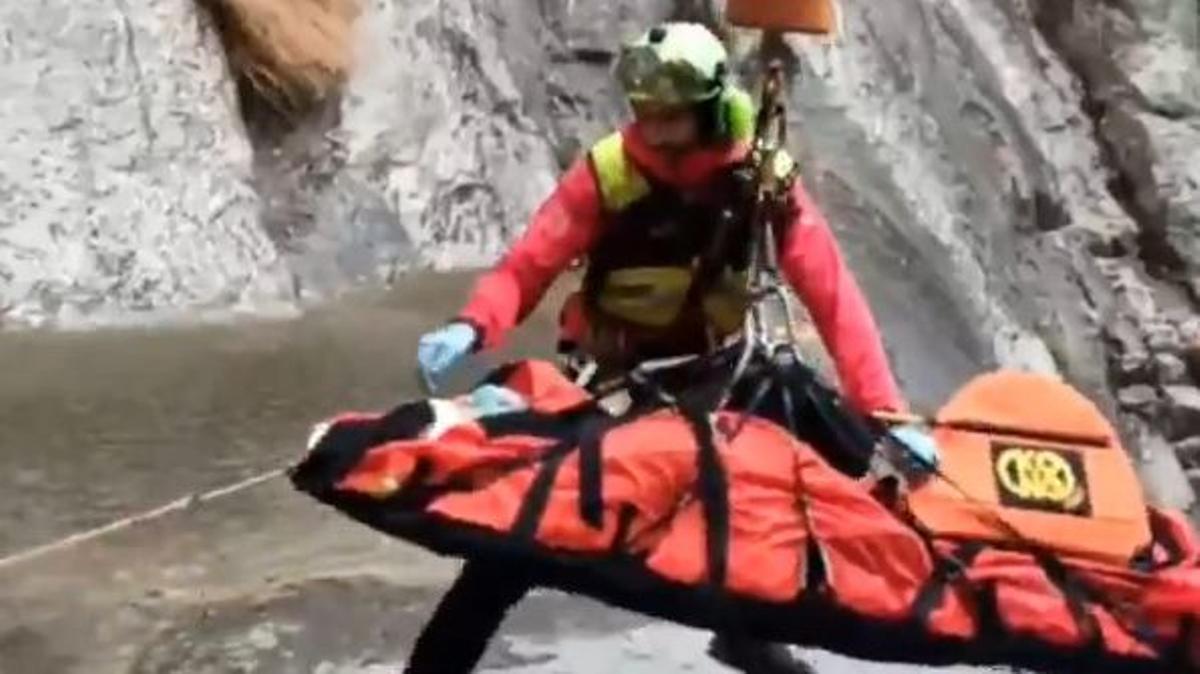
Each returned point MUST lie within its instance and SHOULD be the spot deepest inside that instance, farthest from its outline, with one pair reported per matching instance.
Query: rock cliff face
(125, 179)
(453, 127)
(1018, 178)
(1035, 157)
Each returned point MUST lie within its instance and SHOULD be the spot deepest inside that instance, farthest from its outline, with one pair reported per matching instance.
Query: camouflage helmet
(673, 64)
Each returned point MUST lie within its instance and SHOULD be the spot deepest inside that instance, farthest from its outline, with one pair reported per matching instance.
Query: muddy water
(100, 425)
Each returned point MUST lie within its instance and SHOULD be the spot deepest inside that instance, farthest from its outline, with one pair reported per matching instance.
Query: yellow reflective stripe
(649, 296)
(619, 181)
(725, 305)
(654, 296)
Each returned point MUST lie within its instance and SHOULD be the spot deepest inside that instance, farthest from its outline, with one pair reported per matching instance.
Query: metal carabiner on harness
(763, 278)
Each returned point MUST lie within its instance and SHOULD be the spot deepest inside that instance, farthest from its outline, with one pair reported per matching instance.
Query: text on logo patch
(1041, 478)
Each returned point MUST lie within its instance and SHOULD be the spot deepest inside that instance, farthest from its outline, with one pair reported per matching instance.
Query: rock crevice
(1137, 66)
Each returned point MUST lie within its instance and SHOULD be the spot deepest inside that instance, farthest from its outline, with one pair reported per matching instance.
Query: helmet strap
(715, 117)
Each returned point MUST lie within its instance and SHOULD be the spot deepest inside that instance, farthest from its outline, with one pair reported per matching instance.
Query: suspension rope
(182, 503)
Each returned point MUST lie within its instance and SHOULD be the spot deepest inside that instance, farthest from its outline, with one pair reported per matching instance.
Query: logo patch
(1041, 478)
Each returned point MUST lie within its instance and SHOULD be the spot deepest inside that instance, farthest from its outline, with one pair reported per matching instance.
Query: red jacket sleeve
(814, 266)
(563, 228)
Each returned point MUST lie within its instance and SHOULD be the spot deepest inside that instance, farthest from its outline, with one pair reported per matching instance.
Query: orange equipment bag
(1028, 457)
(818, 17)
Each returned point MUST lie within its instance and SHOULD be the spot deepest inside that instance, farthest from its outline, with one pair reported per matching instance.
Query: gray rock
(1175, 178)
(1189, 452)
(125, 182)
(1182, 409)
(963, 123)
(1137, 302)
(1138, 62)
(1189, 330)
(1138, 398)
(452, 129)
(1134, 368)
(1161, 337)
(1159, 69)
(1170, 369)
(1191, 356)
(1161, 472)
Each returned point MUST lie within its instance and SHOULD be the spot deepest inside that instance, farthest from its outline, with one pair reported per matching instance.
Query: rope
(181, 503)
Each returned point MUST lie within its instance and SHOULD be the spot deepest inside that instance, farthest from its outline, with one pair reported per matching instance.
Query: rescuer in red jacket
(640, 208)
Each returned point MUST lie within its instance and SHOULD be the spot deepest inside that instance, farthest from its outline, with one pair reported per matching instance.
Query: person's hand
(440, 350)
(920, 447)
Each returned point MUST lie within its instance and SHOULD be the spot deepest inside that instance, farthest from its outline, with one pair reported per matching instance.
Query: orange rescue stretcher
(1032, 546)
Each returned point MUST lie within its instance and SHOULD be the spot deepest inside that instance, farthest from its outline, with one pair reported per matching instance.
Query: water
(100, 425)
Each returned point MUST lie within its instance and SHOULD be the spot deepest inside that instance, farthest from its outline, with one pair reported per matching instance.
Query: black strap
(1077, 596)
(711, 261)
(816, 575)
(625, 518)
(415, 485)
(588, 440)
(346, 442)
(986, 596)
(765, 386)
(949, 569)
(843, 436)
(535, 424)
(1182, 653)
(713, 488)
(591, 475)
(404, 422)
(534, 506)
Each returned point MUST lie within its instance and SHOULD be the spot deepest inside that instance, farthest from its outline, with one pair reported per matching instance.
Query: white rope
(126, 522)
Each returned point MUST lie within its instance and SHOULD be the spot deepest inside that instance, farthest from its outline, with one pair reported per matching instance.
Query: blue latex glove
(440, 350)
(491, 399)
(921, 447)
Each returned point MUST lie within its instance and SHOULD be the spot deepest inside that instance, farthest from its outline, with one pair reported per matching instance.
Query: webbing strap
(1186, 652)
(844, 436)
(816, 575)
(530, 423)
(949, 569)
(713, 490)
(529, 517)
(588, 442)
(591, 477)
(1077, 596)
